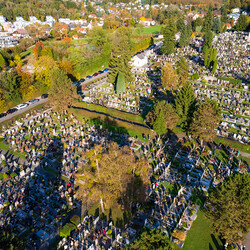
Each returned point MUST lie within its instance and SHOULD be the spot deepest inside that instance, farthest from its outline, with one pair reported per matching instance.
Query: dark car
(106, 70)
(44, 96)
(33, 101)
(10, 111)
(2, 115)
(89, 77)
(101, 71)
(96, 74)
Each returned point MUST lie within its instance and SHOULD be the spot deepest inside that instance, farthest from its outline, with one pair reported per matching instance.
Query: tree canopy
(168, 46)
(228, 207)
(169, 77)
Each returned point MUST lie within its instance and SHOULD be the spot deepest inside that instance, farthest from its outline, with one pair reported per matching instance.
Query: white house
(139, 60)
(148, 22)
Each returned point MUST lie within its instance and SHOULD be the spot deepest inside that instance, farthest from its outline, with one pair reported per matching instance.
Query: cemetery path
(114, 117)
(20, 111)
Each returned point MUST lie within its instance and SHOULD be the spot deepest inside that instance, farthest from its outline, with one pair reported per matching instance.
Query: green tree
(170, 115)
(61, 86)
(228, 208)
(217, 25)
(185, 105)
(184, 40)
(120, 83)
(208, 21)
(120, 61)
(197, 23)
(159, 124)
(223, 13)
(182, 70)
(152, 239)
(168, 46)
(241, 24)
(206, 120)
(2, 62)
(208, 40)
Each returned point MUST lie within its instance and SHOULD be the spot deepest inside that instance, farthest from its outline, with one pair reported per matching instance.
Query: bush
(75, 220)
(66, 230)
(13, 175)
(1, 176)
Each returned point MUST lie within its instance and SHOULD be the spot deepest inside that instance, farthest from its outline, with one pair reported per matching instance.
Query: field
(155, 30)
(200, 235)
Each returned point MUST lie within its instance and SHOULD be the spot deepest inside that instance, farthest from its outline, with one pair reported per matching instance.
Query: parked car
(33, 101)
(75, 83)
(2, 115)
(106, 70)
(44, 96)
(88, 77)
(10, 111)
(82, 80)
(101, 71)
(96, 74)
(21, 106)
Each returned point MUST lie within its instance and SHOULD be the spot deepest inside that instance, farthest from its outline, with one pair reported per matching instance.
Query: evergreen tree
(208, 22)
(217, 25)
(168, 46)
(241, 24)
(159, 124)
(215, 64)
(120, 83)
(2, 61)
(206, 56)
(208, 40)
(153, 239)
(223, 13)
(228, 208)
(206, 120)
(184, 41)
(180, 25)
(182, 70)
(120, 62)
(185, 105)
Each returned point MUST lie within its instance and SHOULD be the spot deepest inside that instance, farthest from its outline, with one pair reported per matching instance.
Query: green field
(200, 235)
(155, 30)
(15, 153)
(27, 53)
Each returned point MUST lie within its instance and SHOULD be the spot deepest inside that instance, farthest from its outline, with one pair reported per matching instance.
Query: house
(7, 42)
(147, 22)
(236, 10)
(75, 37)
(93, 16)
(139, 60)
(20, 33)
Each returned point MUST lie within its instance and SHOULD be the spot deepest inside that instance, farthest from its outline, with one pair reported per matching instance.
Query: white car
(21, 106)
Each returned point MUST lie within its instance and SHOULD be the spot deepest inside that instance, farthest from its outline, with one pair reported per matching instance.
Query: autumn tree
(62, 93)
(113, 175)
(169, 77)
(228, 208)
(37, 49)
(37, 31)
(185, 105)
(206, 120)
(27, 89)
(169, 115)
(60, 31)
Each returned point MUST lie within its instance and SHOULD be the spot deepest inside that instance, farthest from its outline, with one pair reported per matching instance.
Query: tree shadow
(216, 243)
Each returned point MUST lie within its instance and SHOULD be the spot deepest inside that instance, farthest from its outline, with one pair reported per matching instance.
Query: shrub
(66, 230)
(75, 220)
(13, 175)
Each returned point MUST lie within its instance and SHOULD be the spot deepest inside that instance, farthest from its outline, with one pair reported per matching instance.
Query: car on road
(82, 80)
(75, 83)
(44, 96)
(3, 115)
(89, 77)
(106, 70)
(33, 101)
(96, 74)
(21, 106)
(101, 71)
(10, 111)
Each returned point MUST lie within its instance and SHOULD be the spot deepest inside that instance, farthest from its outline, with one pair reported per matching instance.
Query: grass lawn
(148, 30)
(6, 148)
(119, 217)
(27, 53)
(200, 235)
(233, 144)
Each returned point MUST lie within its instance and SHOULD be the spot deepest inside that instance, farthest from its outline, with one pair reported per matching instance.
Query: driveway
(20, 111)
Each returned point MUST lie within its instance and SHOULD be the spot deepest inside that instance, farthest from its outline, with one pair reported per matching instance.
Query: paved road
(20, 111)
(94, 78)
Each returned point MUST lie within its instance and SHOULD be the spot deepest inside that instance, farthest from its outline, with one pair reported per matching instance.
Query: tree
(120, 83)
(208, 37)
(170, 116)
(159, 124)
(206, 120)
(120, 61)
(241, 24)
(223, 13)
(217, 25)
(168, 46)
(37, 49)
(228, 208)
(60, 31)
(114, 175)
(169, 77)
(208, 21)
(197, 23)
(27, 90)
(182, 70)
(185, 38)
(2, 62)
(37, 31)
(61, 86)
(16, 62)
(152, 239)
(185, 105)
